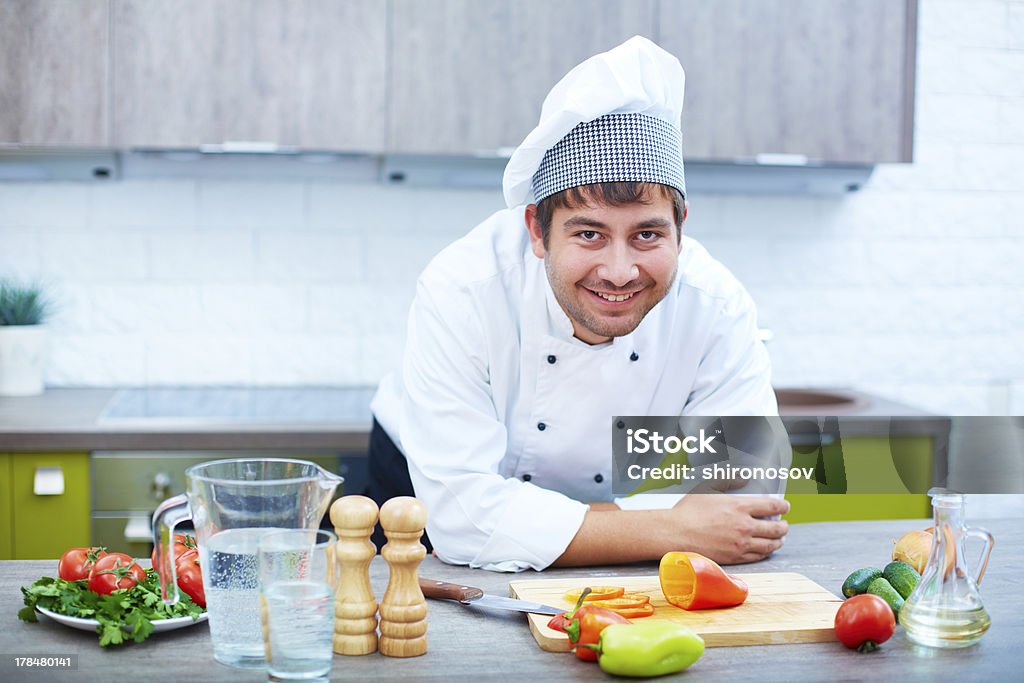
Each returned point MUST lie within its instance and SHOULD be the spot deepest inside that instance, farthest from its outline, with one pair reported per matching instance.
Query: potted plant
(23, 309)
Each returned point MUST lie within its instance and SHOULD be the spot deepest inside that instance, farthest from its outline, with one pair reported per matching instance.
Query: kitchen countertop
(296, 418)
(475, 644)
(75, 420)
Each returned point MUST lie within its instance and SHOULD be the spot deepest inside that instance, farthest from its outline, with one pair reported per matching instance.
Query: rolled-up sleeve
(455, 441)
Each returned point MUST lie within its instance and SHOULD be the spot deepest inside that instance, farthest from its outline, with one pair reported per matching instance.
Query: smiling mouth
(614, 298)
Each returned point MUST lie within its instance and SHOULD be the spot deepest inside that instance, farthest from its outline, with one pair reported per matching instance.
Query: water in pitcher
(233, 503)
(232, 596)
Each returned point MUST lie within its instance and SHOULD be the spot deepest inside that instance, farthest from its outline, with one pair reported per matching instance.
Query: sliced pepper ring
(626, 601)
(637, 612)
(596, 593)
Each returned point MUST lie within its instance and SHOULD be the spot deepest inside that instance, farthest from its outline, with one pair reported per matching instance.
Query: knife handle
(448, 591)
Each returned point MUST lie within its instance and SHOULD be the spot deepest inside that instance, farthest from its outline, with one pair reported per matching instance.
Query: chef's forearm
(613, 536)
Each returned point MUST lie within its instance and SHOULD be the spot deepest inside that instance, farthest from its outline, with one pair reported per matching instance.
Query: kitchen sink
(234, 405)
(818, 401)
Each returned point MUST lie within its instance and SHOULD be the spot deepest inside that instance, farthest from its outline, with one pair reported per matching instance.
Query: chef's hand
(725, 528)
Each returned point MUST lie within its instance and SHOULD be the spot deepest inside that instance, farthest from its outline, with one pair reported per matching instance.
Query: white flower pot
(22, 359)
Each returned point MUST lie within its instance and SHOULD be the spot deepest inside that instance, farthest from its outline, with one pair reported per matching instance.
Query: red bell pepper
(692, 581)
(584, 625)
(559, 622)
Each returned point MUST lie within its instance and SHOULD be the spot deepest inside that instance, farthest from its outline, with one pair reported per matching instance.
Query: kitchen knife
(468, 595)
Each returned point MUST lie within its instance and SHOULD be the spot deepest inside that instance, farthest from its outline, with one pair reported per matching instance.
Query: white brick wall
(911, 288)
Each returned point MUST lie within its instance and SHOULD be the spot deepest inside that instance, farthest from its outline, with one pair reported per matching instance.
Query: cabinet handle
(247, 147)
(160, 487)
(48, 481)
(138, 530)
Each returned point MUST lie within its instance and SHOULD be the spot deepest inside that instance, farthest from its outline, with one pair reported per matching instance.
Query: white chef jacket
(505, 417)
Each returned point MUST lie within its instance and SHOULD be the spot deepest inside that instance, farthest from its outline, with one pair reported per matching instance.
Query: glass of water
(298, 578)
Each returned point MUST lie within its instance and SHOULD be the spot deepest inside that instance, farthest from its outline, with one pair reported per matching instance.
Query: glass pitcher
(231, 504)
(945, 609)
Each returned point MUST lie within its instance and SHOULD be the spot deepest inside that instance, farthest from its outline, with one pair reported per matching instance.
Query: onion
(914, 547)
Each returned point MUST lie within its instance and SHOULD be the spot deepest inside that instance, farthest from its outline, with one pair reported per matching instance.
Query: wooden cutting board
(781, 608)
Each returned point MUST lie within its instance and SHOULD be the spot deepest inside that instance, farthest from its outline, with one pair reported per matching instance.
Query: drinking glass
(298, 578)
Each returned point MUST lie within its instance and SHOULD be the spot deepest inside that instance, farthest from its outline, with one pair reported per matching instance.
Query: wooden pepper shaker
(403, 611)
(355, 609)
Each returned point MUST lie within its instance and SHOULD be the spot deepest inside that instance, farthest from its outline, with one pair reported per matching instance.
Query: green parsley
(125, 614)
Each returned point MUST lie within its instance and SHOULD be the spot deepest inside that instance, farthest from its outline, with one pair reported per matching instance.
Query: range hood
(768, 174)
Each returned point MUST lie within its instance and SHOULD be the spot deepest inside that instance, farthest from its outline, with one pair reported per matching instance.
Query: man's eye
(648, 235)
(588, 234)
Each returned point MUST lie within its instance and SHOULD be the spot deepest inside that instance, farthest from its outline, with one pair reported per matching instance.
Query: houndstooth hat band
(613, 148)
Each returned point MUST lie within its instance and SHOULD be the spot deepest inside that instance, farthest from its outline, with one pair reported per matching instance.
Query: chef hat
(615, 117)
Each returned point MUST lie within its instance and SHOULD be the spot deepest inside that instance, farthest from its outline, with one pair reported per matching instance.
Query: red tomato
(182, 544)
(187, 557)
(75, 564)
(190, 577)
(115, 571)
(864, 622)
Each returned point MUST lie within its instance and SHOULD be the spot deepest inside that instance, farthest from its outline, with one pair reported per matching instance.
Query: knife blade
(468, 595)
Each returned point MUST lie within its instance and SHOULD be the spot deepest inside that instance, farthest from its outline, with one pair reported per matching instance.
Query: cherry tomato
(115, 571)
(182, 544)
(76, 563)
(864, 622)
(190, 577)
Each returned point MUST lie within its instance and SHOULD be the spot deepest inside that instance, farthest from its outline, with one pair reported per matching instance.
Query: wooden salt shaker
(355, 609)
(403, 611)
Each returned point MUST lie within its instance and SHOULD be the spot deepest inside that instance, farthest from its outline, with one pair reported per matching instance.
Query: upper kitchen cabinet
(297, 73)
(53, 82)
(470, 77)
(832, 80)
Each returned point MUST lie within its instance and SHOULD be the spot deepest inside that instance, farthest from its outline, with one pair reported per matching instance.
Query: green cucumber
(884, 590)
(857, 582)
(902, 576)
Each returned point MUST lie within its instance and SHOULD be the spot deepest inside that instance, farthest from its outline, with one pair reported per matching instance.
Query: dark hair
(609, 194)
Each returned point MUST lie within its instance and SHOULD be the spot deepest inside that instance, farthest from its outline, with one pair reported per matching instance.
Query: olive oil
(946, 627)
(944, 609)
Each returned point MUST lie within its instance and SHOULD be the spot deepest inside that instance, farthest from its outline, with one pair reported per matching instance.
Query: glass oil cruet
(945, 609)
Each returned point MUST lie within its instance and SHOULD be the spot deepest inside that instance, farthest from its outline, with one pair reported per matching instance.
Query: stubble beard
(569, 299)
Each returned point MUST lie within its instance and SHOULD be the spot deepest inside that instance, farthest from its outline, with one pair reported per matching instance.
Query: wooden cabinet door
(829, 79)
(293, 72)
(47, 525)
(470, 76)
(53, 78)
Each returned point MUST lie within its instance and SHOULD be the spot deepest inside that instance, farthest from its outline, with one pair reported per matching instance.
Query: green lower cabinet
(46, 520)
(6, 520)
(889, 468)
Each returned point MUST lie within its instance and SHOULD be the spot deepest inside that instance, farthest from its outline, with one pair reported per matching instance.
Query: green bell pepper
(648, 649)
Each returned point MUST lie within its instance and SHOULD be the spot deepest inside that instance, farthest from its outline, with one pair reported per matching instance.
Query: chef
(580, 301)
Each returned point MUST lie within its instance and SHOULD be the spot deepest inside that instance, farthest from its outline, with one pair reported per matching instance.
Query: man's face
(608, 265)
